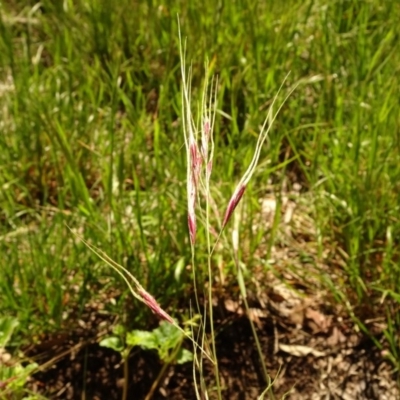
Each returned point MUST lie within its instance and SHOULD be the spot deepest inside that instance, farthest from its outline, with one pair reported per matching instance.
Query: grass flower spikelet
(151, 302)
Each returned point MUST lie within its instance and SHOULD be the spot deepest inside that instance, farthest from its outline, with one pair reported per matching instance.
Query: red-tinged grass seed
(151, 302)
(233, 202)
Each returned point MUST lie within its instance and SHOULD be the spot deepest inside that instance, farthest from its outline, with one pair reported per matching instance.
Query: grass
(92, 139)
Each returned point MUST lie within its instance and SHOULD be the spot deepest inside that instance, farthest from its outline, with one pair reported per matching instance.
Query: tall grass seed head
(233, 202)
(151, 302)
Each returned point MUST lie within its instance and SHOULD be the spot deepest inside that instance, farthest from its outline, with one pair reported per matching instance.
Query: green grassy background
(91, 139)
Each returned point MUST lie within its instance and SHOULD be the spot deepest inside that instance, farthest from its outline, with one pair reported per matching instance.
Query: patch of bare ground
(318, 356)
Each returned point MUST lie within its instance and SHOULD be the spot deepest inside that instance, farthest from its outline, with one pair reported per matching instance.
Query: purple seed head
(195, 162)
(151, 302)
(192, 227)
(193, 177)
(233, 202)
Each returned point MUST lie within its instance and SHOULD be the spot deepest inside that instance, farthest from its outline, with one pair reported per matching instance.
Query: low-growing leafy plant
(166, 340)
(13, 374)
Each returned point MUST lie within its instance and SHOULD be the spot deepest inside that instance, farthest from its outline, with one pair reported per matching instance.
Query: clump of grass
(199, 142)
(86, 143)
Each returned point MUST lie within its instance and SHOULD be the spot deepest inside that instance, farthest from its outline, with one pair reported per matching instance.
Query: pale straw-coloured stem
(196, 180)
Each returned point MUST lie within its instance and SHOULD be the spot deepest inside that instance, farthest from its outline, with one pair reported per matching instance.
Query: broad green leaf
(119, 330)
(184, 356)
(113, 342)
(143, 339)
(168, 335)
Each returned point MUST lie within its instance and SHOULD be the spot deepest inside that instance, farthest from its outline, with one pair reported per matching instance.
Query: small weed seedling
(166, 340)
(13, 375)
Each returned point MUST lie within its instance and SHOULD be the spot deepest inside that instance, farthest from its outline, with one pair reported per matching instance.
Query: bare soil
(319, 356)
